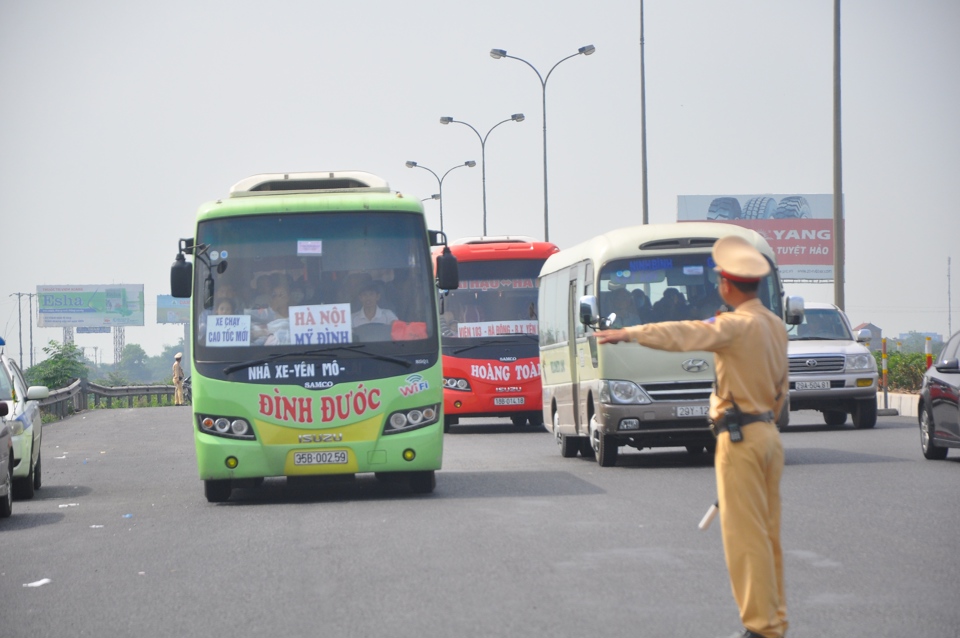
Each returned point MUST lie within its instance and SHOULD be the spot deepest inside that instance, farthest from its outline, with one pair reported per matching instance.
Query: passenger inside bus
(621, 302)
(271, 325)
(671, 307)
(370, 310)
(449, 319)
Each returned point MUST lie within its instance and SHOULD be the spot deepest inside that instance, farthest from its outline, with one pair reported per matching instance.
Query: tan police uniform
(177, 380)
(750, 355)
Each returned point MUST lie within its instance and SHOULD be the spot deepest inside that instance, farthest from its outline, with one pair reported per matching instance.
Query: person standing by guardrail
(178, 379)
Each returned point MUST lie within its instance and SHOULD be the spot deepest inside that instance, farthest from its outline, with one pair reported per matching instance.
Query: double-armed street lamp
(516, 117)
(439, 196)
(496, 54)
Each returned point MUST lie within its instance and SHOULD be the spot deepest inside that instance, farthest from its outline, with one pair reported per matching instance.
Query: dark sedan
(939, 410)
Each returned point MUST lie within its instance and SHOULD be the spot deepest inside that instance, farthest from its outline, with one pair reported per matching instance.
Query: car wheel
(605, 447)
(783, 422)
(37, 477)
(6, 503)
(931, 450)
(24, 486)
(519, 421)
(217, 491)
(448, 421)
(423, 482)
(569, 446)
(865, 414)
(536, 418)
(834, 417)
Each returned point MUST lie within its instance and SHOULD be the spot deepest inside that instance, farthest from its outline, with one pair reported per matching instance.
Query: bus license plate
(324, 457)
(813, 385)
(694, 410)
(508, 401)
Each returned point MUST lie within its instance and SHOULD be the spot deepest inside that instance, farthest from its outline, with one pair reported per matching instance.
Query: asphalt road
(515, 541)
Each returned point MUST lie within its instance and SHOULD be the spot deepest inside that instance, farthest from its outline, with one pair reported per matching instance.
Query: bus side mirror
(793, 311)
(448, 272)
(437, 237)
(589, 312)
(181, 277)
(4, 408)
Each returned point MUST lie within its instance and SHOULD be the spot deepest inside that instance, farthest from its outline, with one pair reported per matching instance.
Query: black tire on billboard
(793, 207)
(761, 207)
(724, 208)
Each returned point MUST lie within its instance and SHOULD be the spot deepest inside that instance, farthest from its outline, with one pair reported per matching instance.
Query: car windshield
(821, 323)
(495, 299)
(311, 279)
(668, 287)
(6, 390)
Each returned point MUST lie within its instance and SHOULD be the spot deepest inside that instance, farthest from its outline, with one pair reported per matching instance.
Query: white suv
(831, 370)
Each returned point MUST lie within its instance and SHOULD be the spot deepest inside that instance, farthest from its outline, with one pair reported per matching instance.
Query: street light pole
(496, 54)
(469, 163)
(516, 117)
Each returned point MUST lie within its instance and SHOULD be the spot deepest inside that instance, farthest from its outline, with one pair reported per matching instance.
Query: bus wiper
(329, 352)
(359, 348)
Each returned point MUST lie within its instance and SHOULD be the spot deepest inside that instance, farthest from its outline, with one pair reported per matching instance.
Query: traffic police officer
(177, 379)
(750, 355)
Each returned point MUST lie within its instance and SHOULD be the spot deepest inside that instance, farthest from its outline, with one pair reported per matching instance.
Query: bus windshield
(495, 299)
(668, 288)
(278, 283)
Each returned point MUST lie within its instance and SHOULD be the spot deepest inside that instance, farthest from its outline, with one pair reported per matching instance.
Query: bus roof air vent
(495, 239)
(327, 182)
(679, 243)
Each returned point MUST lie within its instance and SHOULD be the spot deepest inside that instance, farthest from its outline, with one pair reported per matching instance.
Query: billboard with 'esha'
(799, 228)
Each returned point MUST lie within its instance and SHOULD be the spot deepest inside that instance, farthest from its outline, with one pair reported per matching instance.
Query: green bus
(315, 347)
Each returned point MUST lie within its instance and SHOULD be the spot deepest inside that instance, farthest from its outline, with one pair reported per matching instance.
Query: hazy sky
(118, 119)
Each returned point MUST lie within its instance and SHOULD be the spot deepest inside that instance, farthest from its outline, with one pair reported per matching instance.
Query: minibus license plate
(323, 457)
(695, 410)
(508, 401)
(813, 385)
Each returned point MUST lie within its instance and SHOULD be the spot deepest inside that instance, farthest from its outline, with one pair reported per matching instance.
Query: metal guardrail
(83, 395)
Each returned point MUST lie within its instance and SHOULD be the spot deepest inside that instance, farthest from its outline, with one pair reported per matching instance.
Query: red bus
(489, 330)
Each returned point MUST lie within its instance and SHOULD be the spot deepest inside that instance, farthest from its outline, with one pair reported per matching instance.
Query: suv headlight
(624, 392)
(861, 362)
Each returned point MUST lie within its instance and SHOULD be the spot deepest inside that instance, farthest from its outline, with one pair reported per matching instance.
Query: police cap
(179, 355)
(737, 260)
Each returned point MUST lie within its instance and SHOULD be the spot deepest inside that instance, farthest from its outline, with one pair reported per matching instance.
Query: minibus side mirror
(589, 313)
(793, 311)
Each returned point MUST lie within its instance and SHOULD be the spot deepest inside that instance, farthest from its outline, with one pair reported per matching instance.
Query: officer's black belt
(745, 419)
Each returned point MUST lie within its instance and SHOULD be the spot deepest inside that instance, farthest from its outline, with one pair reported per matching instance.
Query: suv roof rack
(287, 183)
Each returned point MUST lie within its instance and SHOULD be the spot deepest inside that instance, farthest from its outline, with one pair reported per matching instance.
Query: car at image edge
(25, 423)
(938, 410)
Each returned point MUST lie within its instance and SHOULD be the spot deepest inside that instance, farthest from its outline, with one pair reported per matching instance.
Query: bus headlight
(454, 383)
(622, 392)
(226, 426)
(412, 419)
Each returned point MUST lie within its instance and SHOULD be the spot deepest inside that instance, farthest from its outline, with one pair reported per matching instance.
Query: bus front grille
(686, 391)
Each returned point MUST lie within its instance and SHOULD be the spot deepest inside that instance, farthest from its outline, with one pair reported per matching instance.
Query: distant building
(934, 337)
(876, 336)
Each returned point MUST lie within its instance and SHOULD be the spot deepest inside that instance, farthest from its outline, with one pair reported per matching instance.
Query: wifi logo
(415, 384)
